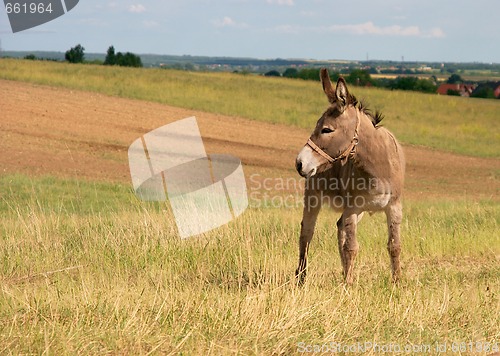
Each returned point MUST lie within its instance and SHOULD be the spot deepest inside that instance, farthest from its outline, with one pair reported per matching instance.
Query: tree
(291, 73)
(359, 77)
(426, 86)
(483, 91)
(128, 60)
(453, 92)
(273, 73)
(75, 54)
(413, 83)
(110, 56)
(190, 67)
(404, 83)
(455, 79)
(125, 60)
(309, 74)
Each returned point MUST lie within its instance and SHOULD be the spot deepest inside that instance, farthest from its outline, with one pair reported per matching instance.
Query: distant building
(459, 88)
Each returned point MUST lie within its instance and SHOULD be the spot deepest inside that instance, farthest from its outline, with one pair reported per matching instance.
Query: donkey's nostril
(298, 165)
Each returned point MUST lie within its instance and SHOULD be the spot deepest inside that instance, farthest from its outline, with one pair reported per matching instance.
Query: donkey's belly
(375, 202)
(357, 202)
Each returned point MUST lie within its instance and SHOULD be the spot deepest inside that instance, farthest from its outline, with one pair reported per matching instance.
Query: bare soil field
(68, 133)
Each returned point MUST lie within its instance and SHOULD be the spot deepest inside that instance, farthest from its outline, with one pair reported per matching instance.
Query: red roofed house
(461, 89)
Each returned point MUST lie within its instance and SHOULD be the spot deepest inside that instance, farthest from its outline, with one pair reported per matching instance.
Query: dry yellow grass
(104, 273)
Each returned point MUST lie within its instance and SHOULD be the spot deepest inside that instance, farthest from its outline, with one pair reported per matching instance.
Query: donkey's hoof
(349, 277)
(396, 275)
(349, 281)
(396, 278)
(300, 276)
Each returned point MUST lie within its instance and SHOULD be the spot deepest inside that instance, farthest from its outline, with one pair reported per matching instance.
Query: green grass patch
(69, 196)
(460, 125)
(86, 268)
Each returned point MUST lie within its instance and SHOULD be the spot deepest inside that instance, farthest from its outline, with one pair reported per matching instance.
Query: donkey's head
(335, 134)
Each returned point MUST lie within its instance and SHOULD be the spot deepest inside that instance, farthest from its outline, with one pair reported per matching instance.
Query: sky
(418, 30)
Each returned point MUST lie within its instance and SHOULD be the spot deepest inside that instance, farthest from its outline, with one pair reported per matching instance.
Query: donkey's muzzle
(298, 166)
(303, 171)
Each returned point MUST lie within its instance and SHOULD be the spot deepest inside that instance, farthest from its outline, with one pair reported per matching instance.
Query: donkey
(353, 165)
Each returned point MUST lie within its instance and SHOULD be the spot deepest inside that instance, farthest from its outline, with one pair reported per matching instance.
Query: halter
(350, 150)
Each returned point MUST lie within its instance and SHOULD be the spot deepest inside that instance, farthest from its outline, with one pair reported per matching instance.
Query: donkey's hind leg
(341, 241)
(394, 214)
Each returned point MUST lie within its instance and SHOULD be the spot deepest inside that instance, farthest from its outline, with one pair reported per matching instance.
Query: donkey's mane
(375, 118)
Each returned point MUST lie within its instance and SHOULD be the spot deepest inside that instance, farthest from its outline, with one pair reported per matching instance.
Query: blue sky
(419, 30)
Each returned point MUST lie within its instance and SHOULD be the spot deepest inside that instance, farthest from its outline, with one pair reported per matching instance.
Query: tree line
(362, 77)
(77, 55)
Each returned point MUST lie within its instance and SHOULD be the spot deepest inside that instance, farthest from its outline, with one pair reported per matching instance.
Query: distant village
(460, 79)
(480, 80)
(477, 90)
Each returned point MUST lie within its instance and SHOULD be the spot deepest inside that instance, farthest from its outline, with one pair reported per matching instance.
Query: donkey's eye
(326, 130)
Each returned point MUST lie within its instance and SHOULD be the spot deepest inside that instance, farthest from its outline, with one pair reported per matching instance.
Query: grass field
(454, 124)
(98, 272)
(86, 268)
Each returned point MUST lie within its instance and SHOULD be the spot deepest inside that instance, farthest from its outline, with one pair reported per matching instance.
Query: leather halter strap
(350, 150)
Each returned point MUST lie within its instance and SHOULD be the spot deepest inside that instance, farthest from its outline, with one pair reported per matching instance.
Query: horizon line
(291, 59)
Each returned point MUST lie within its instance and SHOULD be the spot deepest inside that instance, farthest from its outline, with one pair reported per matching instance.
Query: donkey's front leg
(312, 206)
(348, 244)
(394, 214)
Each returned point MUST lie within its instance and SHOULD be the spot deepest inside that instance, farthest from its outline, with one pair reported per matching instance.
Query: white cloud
(435, 32)
(226, 21)
(367, 28)
(136, 9)
(281, 2)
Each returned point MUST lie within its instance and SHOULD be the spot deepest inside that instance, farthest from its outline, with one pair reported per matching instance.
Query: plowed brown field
(47, 130)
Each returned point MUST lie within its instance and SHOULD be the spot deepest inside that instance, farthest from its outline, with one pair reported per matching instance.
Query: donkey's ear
(341, 93)
(327, 85)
